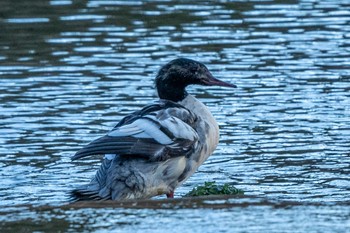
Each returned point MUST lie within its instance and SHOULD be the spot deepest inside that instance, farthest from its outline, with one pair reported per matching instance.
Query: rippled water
(70, 70)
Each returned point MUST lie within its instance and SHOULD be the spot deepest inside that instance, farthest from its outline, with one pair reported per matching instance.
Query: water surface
(70, 70)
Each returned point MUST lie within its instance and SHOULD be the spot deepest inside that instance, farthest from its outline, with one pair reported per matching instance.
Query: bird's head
(175, 76)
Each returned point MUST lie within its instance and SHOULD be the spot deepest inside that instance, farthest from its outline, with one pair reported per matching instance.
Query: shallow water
(69, 71)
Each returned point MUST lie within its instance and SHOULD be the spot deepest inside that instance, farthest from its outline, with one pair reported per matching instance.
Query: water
(70, 70)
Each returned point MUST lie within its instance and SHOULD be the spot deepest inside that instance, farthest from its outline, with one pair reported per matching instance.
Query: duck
(154, 150)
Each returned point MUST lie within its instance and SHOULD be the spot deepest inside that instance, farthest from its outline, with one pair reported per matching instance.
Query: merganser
(154, 150)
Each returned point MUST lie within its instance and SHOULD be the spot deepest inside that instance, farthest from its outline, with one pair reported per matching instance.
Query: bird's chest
(208, 132)
(206, 127)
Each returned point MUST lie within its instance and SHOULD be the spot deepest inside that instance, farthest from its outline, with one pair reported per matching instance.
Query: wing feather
(157, 132)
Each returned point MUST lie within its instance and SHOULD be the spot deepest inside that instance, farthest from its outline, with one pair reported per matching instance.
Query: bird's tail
(92, 191)
(83, 194)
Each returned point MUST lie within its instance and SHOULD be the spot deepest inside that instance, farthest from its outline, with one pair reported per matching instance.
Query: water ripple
(70, 72)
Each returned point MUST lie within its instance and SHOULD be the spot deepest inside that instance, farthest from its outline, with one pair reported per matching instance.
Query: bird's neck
(173, 95)
(170, 91)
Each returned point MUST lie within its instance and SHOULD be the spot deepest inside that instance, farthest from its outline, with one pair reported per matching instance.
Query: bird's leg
(170, 195)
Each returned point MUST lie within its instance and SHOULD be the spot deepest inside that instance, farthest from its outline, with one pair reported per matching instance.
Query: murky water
(70, 70)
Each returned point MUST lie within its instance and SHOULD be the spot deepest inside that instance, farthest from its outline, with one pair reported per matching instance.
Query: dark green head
(175, 76)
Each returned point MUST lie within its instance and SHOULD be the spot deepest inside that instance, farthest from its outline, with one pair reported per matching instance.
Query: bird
(152, 151)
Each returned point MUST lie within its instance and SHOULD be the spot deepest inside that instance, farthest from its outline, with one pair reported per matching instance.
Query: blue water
(69, 71)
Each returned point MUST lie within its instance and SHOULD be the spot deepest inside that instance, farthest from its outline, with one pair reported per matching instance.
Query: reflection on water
(70, 70)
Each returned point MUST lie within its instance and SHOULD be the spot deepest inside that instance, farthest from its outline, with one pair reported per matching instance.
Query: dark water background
(70, 70)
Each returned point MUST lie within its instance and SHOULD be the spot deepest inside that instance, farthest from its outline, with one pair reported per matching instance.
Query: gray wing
(156, 135)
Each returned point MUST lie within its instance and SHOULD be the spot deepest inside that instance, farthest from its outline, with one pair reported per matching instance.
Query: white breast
(207, 127)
